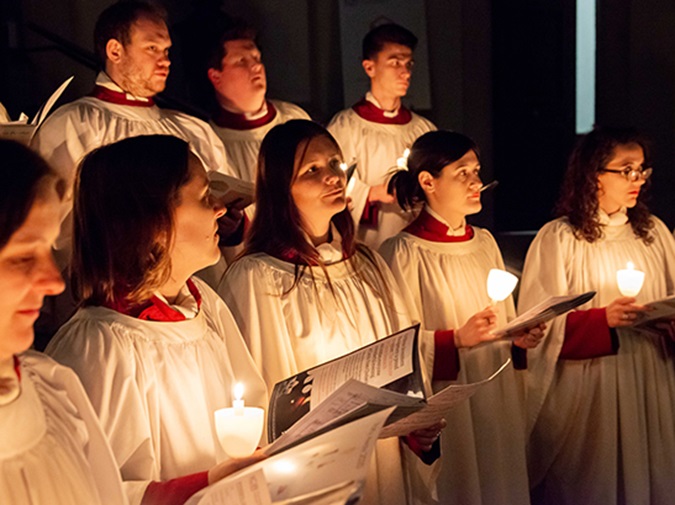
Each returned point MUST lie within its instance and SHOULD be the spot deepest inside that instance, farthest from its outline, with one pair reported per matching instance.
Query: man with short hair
(244, 115)
(132, 44)
(375, 131)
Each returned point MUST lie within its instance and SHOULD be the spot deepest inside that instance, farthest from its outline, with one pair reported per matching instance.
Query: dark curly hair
(579, 195)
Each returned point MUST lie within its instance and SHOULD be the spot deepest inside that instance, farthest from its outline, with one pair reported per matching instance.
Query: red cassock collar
(119, 98)
(371, 112)
(155, 309)
(232, 120)
(429, 228)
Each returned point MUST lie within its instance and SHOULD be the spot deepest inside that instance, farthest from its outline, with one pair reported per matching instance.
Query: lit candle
(402, 162)
(500, 284)
(239, 428)
(238, 402)
(630, 280)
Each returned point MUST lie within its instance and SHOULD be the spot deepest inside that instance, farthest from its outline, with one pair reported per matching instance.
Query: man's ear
(427, 181)
(214, 76)
(114, 51)
(369, 67)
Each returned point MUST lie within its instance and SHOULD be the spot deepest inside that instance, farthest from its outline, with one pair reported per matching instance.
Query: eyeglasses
(632, 174)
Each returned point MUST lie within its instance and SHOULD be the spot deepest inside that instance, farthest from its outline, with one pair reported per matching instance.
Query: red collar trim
(119, 98)
(226, 119)
(17, 367)
(155, 309)
(370, 112)
(429, 228)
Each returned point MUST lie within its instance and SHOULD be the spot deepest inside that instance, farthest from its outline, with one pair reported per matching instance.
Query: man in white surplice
(132, 44)
(376, 131)
(244, 114)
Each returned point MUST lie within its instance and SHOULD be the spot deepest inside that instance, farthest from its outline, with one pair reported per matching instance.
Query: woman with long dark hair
(601, 394)
(52, 448)
(156, 349)
(304, 291)
(442, 263)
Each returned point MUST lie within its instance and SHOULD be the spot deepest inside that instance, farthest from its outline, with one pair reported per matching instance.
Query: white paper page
(376, 365)
(541, 312)
(44, 110)
(338, 456)
(438, 406)
(347, 398)
(248, 489)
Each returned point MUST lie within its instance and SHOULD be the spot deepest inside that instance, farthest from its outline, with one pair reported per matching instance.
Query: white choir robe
(242, 146)
(375, 147)
(289, 333)
(52, 449)
(602, 429)
(155, 385)
(77, 128)
(483, 447)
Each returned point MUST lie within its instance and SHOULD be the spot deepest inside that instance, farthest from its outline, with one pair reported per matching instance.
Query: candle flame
(343, 166)
(238, 391)
(630, 266)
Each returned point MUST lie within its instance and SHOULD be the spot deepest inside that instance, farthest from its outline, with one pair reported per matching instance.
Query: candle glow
(500, 284)
(630, 280)
(239, 428)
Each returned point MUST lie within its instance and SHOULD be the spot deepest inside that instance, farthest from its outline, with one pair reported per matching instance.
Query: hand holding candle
(500, 284)
(630, 280)
(239, 428)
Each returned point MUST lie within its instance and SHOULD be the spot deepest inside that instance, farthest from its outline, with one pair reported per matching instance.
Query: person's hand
(426, 437)
(230, 466)
(530, 337)
(477, 329)
(379, 194)
(623, 312)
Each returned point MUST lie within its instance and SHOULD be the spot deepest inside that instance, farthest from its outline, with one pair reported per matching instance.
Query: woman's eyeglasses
(631, 174)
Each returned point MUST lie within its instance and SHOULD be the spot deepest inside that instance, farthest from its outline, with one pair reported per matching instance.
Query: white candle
(630, 280)
(500, 284)
(239, 428)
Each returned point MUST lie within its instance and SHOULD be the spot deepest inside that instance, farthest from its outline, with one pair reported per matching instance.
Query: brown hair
(276, 227)
(125, 194)
(579, 195)
(116, 21)
(431, 152)
(26, 178)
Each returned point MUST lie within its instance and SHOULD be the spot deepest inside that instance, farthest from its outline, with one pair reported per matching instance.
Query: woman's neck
(454, 219)
(170, 289)
(318, 233)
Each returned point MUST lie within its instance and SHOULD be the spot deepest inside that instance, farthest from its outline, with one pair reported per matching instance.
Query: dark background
(501, 71)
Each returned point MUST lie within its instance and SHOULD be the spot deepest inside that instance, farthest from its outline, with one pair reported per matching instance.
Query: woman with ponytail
(441, 265)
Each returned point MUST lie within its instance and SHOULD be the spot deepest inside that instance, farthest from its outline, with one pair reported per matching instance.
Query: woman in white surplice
(155, 348)
(601, 395)
(304, 292)
(52, 449)
(441, 264)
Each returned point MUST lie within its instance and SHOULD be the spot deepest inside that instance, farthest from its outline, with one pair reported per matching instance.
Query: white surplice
(155, 385)
(242, 146)
(375, 147)
(52, 449)
(483, 446)
(603, 429)
(288, 333)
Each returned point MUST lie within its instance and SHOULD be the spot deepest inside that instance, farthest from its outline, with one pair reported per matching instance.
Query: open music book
(543, 312)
